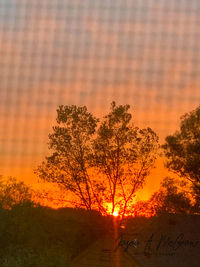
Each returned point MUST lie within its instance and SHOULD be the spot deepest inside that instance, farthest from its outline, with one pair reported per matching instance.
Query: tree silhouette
(99, 166)
(13, 192)
(71, 145)
(171, 198)
(124, 155)
(182, 149)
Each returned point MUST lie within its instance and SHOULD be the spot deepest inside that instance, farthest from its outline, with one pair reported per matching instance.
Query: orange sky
(143, 53)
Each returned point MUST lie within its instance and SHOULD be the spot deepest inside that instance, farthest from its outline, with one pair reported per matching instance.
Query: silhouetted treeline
(40, 236)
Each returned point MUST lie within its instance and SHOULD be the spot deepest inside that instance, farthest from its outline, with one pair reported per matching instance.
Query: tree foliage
(99, 162)
(71, 145)
(172, 198)
(182, 149)
(13, 192)
(124, 155)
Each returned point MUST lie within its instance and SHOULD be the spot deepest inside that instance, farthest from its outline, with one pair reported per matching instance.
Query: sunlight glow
(115, 213)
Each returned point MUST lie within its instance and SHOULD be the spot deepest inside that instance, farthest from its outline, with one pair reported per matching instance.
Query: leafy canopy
(182, 149)
(99, 162)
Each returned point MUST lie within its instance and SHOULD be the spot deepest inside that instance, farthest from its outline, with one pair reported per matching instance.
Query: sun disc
(115, 213)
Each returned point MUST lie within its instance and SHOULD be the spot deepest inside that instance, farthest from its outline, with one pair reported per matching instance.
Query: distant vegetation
(13, 192)
(32, 235)
(43, 237)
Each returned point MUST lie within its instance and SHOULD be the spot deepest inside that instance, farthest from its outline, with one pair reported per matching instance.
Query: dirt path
(102, 254)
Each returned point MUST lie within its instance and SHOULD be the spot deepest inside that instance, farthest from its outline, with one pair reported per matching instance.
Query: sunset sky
(144, 53)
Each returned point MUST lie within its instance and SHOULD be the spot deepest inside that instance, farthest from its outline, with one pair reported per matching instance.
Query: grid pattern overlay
(141, 52)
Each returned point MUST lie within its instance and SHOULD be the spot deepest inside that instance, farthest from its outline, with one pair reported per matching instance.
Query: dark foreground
(43, 237)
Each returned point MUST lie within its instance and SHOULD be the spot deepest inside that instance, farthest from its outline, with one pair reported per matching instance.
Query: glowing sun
(115, 213)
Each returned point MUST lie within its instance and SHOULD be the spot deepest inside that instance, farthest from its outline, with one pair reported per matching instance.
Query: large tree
(123, 156)
(182, 150)
(99, 166)
(70, 143)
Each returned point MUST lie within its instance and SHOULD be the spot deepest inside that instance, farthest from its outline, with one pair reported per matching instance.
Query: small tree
(71, 144)
(13, 192)
(171, 198)
(123, 155)
(182, 150)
